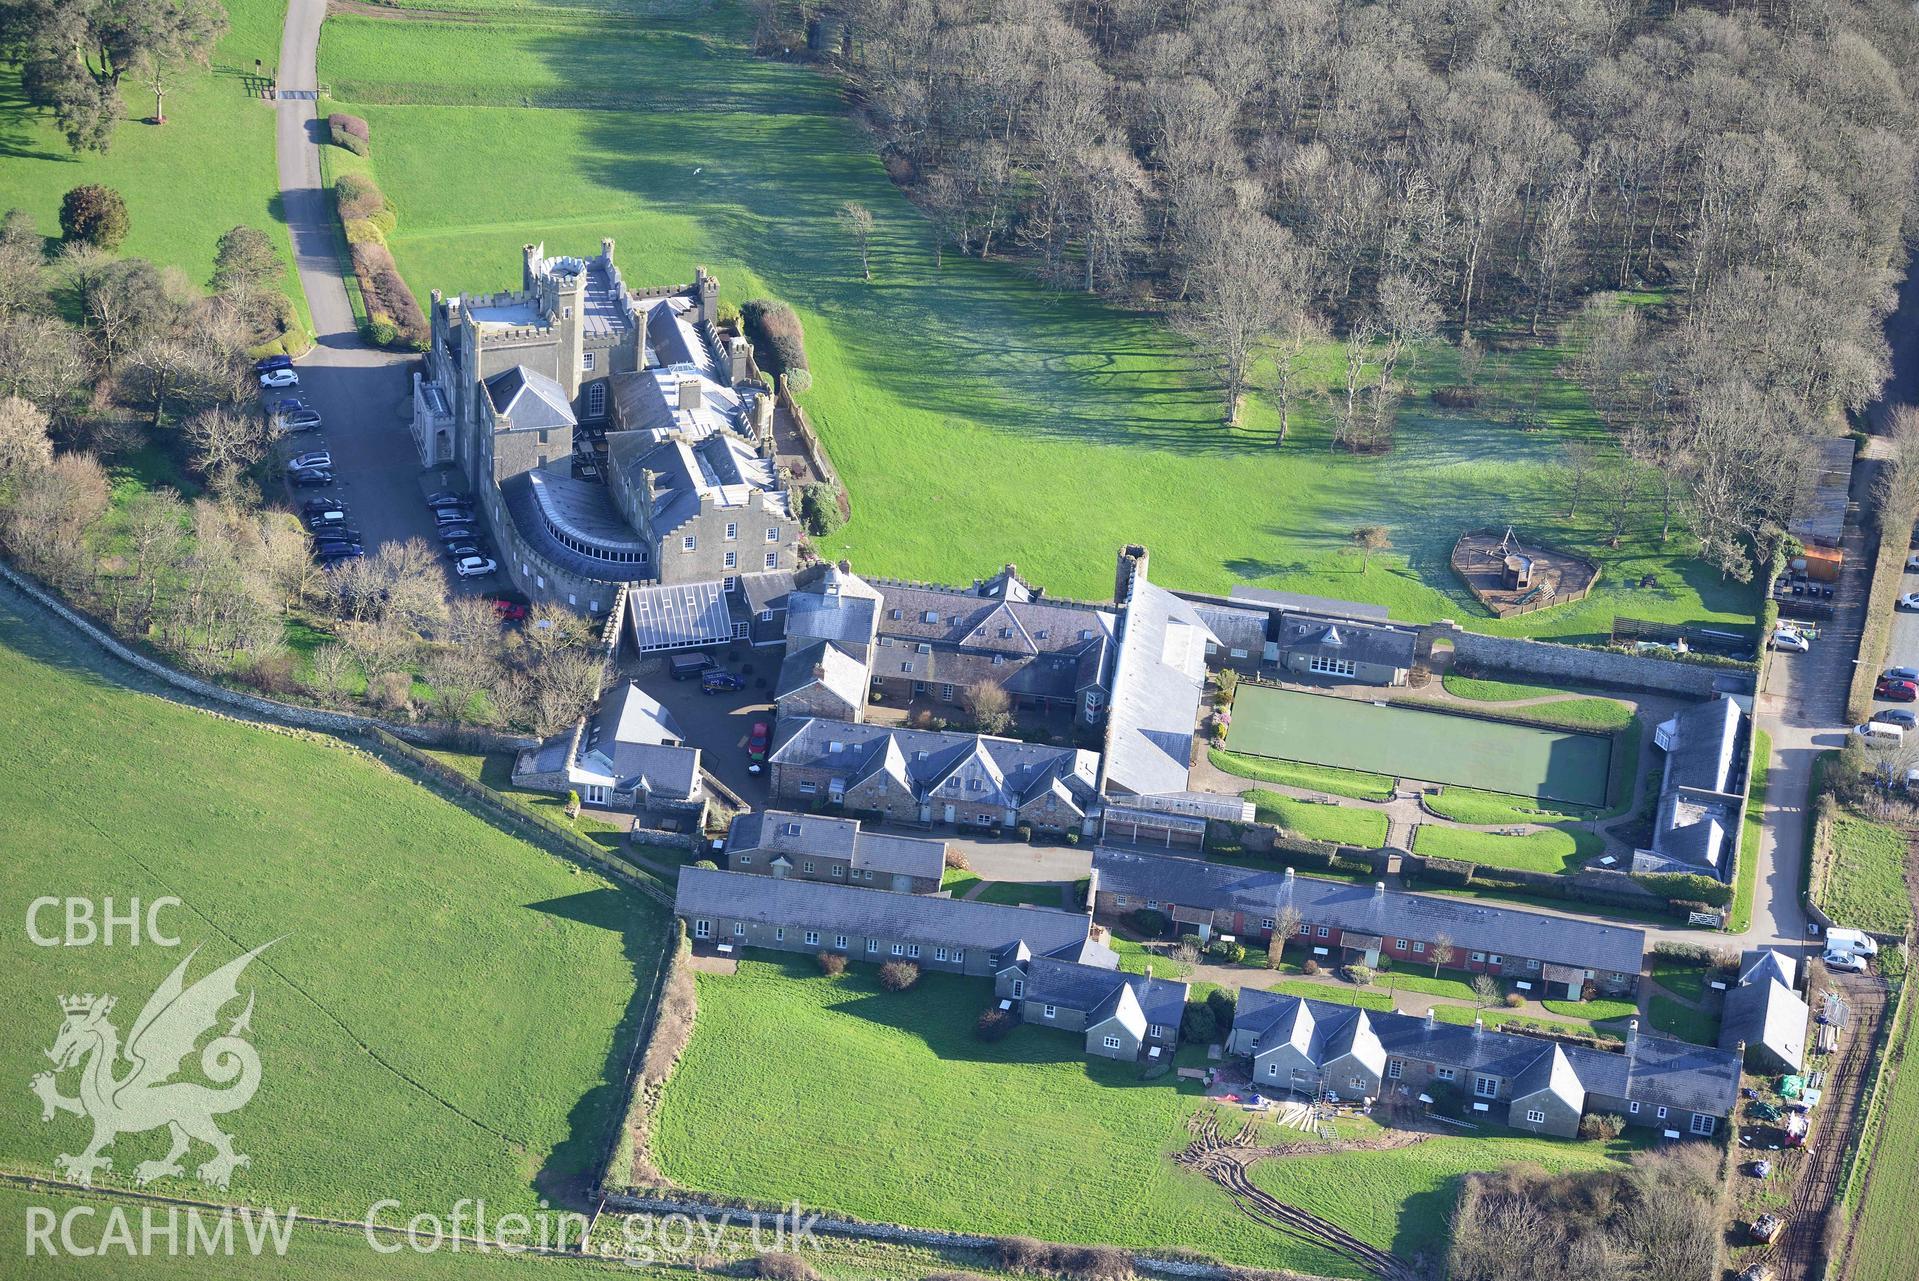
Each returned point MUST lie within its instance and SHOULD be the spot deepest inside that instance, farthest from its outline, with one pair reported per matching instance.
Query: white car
(1790, 641)
(474, 567)
(1850, 961)
(279, 378)
(1909, 601)
(1912, 561)
(313, 458)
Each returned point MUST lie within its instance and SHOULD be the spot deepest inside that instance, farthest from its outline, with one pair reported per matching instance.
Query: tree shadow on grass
(573, 1168)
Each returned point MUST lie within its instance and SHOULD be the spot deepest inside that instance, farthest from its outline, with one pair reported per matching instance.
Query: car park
(279, 378)
(1896, 691)
(312, 458)
(1789, 641)
(718, 681)
(474, 567)
(1904, 717)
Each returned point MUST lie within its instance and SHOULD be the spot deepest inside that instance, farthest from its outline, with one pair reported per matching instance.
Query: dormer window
(930, 616)
(1005, 633)
(1085, 633)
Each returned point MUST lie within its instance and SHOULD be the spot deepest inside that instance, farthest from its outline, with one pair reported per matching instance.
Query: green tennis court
(1410, 742)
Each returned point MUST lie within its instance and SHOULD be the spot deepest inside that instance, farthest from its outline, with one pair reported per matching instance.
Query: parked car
(510, 611)
(334, 555)
(312, 505)
(311, 478)
(1896, 691)
(279, 378)
(451, 516)
(1851, 962)
(1903, 717)
(687, 666)
(445, 496)
(265, 363)
(1880, 734)
(474, 567)
(717, 681)
(756, 744)
(1844, 939)
(332, 546)
(1900, 674)
(312, 458)
(450, 534)
(1791, 642)
(1912, 560)
(1908, 600)
(460, 551)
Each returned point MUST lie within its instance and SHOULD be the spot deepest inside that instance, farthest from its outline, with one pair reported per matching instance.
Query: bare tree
(226, 442)
(458, 674)
(378, 646)
(473, 620)
(24, 443)
(567, 683)
(1577, 461)
(1285, 926)
(1371, 540)
(857, 219)
(1442, 952)
(154, 524)
(1239, 272)
(412, 584)
(987, 706)
(1485, 991)
(332, 668)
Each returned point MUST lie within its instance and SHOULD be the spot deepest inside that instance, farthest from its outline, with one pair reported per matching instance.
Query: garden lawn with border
(495, 770)
(793, 1082)
(1518, 1021)
(958, 881)
(1687, 981)
(1494, 691)
(1597, 1010)
(1553, 849)
(669, 136)
(1465, 805)
(210, 168)
(1604, 715)
(1672, 1018)
(1356, 784)
(1865, 887)
(1338, 824)
(358, 877)
(1021, 893)
(1454, 984)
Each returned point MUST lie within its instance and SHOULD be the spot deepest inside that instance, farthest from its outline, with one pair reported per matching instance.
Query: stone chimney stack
(1131, 566)
(1379, 892)
(1632, 1038)
(1431, 1021)
(530, 256)
(689, 394)
(1479, 1025)
(1289, 874)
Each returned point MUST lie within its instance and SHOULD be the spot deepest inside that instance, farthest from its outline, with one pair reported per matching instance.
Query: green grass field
(1465, 805)
(1357, 784)
(1102, 426)
(1020, 893)
(1555, 849)
(1415, 743)
(1336, 823)
(445, 1013)
(1884, 1246)
(209, 168)
(1751, 832)
(1865, 888)
(1670, 1018)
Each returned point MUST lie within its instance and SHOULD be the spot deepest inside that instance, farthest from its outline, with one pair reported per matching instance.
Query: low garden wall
(1265, 838)
(1581, 666)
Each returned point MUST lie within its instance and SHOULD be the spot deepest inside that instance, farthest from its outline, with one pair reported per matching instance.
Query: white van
(1839, 939)
(1881, 733)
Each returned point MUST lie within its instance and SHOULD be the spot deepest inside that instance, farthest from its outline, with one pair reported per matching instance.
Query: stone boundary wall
(1584, 666)
(251, 705)
(815, 451)
(859, 1229)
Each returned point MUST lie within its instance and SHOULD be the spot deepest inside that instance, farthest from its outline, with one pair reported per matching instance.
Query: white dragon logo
(146, 1097)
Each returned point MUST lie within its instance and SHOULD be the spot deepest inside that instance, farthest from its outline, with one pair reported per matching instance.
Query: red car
(756, 745)
(1896, 691)
(510, 611)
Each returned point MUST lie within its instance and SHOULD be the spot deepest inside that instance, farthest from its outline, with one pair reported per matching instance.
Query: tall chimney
(689, 393)
(1479, 1025)
(1431, 1020)
(1632, 1038)
(1289, 874)
(1379, 890)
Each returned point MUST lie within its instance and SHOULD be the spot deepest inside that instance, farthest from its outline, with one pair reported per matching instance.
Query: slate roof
(675, 339)
(855, 910)
(1156, 687)
(633, 743)
(1010, 772)
(529, 399)
(837, 838)
(1764, 1009)
(1699, 743)
(1472, 926)
(764, 591)
(1294, 602)
(649, 402)
(1764, 963)
(680, 478)
(1343, 638)
(1031, 647)
(1096, 989)
(826, 664)
(1237, 628)
(834, 604)
(1652, 1071)
(1694, 823)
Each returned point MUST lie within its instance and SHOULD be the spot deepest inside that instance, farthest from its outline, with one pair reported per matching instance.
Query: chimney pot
(1379, 887)
(1431, 1020)
(1479, 1025)
(1289, 873)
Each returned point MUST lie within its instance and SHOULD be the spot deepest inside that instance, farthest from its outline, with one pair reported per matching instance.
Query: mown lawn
(958, 881)
(1865, 888)
(1556, 849)
(1688, 981)
(1751, 832)
(1597, 1010)
(209, 168)
(1465, 805)
(1020, 893)
(1102, 427)
(495, 769)
(1488, 691)
(1605, 714)
(794, 1083)
(1336, 823)
(1670, 1018)
(1357, 784)
(409, 1004)
(1884, 1246)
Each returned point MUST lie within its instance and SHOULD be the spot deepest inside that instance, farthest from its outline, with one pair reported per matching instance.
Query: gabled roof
(1343, 638)
(837, 838)
(1101, 991)
(1763, 963)
(826, 665)
(1551, 1073)
(529, 399)
(853, 910)
(833, 604)
(633, 744)
(926, 759)
(1156, 688)
(1471, 925)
